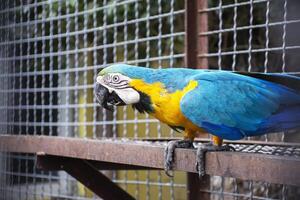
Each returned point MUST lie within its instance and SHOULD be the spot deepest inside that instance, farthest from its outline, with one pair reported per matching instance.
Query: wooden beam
(246, 166)
(49, 162)
(86, 173)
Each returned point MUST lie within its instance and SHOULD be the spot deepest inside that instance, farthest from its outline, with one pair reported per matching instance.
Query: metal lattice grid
(252, 35)
(51, 53)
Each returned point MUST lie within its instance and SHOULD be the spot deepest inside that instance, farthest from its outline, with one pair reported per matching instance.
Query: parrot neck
(144, 105)
(163, 105)
(148, 94)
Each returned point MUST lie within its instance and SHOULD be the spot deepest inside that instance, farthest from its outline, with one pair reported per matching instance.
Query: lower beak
(107, 99)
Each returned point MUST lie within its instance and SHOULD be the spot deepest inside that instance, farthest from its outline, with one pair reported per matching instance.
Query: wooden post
(202, 44)
(196, 22)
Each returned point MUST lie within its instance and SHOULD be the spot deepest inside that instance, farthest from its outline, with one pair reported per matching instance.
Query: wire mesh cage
(51, 52)
(254, 36)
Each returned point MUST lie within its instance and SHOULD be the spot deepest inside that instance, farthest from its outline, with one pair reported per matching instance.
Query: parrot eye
(115, 78)
(116, 81)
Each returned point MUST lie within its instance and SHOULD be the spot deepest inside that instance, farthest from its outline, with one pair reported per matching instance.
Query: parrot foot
(170, 150)
(201, 151)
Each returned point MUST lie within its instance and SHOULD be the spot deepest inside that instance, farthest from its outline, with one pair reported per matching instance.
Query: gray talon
(201, 151)
(169, 153)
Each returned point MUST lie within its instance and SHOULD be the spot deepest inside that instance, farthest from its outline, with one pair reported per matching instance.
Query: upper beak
(106, 98)
(102, 95)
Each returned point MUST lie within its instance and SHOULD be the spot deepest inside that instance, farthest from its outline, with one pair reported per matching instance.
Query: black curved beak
(106, 99)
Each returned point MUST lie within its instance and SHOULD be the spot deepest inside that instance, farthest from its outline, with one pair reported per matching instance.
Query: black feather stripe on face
(144, 105)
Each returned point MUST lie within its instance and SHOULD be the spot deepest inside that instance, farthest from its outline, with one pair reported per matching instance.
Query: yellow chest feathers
(166, 105)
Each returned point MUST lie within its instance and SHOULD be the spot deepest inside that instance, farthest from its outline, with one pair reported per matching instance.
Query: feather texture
(233, 106)
(230, 105)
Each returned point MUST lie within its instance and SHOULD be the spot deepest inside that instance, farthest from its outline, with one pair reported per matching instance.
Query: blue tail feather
(285, 119)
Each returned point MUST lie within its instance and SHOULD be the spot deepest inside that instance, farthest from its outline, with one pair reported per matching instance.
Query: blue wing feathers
(233, 106)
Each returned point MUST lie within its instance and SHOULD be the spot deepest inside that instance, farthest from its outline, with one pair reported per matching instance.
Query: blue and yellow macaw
(229, 105)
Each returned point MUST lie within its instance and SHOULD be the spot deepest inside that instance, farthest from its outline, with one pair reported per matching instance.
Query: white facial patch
(120, 85)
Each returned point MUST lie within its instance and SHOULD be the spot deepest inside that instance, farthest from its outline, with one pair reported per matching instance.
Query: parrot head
(113, 86)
